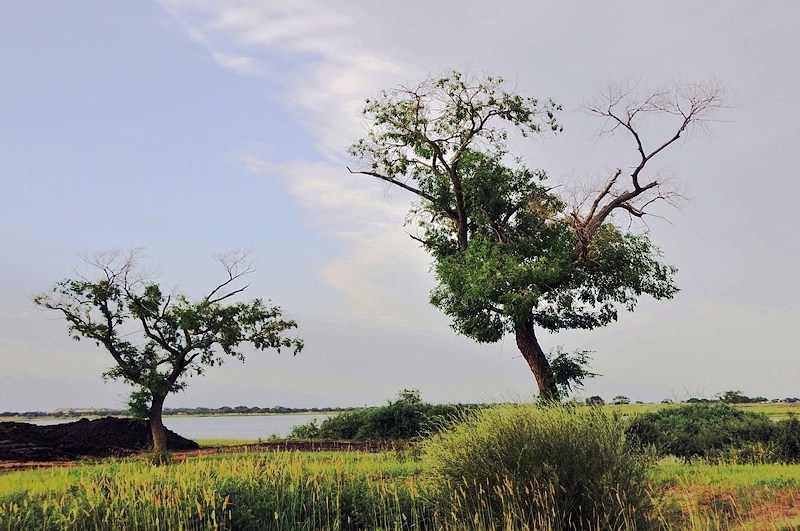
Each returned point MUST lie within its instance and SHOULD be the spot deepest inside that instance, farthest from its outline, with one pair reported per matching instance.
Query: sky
(191, 127)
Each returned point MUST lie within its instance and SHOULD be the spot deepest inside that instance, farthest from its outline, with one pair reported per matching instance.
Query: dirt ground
(105, 437)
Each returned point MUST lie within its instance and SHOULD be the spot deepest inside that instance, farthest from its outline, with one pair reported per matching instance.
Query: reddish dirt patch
(106, 437)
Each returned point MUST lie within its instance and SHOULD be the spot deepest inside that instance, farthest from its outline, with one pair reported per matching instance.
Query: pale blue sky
(191, 127)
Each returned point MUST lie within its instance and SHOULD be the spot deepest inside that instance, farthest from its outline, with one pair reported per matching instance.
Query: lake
(230, 427)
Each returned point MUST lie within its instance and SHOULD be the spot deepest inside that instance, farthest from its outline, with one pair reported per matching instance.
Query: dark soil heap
(106, 437)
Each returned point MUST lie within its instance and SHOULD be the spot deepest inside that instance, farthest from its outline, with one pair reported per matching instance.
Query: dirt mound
(109, 436)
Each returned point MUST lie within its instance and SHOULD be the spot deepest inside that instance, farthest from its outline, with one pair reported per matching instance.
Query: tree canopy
(510, 254)
(157, 339)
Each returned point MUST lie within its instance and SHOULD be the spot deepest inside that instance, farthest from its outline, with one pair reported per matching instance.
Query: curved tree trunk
(157, 425)
(532, 352)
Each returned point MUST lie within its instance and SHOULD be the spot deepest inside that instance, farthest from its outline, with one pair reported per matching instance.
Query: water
(238, 427)
(250, 427)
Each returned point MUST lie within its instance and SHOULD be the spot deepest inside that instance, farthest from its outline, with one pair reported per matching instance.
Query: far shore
(73, 418)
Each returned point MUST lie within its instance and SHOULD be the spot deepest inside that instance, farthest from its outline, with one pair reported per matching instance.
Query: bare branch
(687, 105)
(237, 263)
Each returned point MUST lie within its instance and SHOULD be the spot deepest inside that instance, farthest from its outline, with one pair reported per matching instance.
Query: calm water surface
(231, 427)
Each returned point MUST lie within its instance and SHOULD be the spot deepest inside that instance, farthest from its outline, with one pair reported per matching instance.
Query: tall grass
(261, 491)
(539, 467)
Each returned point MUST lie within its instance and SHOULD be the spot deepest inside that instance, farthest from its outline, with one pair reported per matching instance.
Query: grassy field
(775, 411)
(346, 491)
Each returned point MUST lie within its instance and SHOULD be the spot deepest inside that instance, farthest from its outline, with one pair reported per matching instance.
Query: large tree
(160, 339)
(510, 254)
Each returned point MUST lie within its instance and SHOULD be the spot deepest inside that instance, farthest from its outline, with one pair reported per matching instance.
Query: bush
(718, 432)
(344, 426)
(549, 466)
(787, 439)
(404, 419)
(309, 430)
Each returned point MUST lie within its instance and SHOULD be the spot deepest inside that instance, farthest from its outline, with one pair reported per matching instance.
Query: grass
(240, 491)
(774, 411)
(330, 491)
(705, 496)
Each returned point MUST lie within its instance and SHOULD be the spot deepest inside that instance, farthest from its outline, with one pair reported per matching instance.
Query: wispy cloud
(381, 272)
(332, 76)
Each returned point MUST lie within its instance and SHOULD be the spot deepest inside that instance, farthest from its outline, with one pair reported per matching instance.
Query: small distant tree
(409, 396)
(511, 254)
(733, 397)
(159, 339)
(621, 400)
(595, 401)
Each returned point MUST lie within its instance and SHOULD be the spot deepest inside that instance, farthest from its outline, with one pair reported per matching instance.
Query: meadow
(540, 464)
(327, 491)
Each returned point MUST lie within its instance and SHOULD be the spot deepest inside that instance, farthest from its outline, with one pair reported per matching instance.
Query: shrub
(714, 432)
(549, 466)
(343, 426)
(309, 430)
(405, 418)
(787, 439)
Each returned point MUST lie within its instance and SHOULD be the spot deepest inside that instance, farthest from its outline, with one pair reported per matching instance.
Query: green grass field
(775, 411)
(296, 491)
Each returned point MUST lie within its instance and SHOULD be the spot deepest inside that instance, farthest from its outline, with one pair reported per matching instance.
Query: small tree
(733, 397)
(178, 338)
(510, 255)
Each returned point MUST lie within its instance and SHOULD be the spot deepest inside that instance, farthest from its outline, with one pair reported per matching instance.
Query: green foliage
(714, 432)
(309, 430)
(177, 338)
(733, 397)
(568, 466)
(508, 252)
(345, 426)
(569, 369)
(786, 439)
(139, 403)
(406, 418)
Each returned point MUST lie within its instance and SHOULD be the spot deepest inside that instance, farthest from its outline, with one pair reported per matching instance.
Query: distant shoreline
(100, 413)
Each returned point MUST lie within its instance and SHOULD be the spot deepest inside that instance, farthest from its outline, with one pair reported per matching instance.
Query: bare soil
(83, 439)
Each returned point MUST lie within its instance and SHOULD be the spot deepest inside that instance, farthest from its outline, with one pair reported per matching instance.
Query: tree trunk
(157, 426)
(529, 347)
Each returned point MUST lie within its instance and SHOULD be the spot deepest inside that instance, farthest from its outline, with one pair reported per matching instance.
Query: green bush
(717, 432)
(787, 439)
(309, 430)
(403, 419)
(344, 426)
(540, 467)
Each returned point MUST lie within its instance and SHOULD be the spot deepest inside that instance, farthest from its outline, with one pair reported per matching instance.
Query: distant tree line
(728, 397)
(195, 411)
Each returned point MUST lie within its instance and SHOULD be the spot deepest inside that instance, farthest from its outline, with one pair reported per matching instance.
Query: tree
(733, 397)
(509, 253)
(178, 338)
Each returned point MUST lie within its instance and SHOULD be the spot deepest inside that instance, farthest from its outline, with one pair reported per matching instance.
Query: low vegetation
(548, 467)
(718, 433)
(509, 467)
(405, 418)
